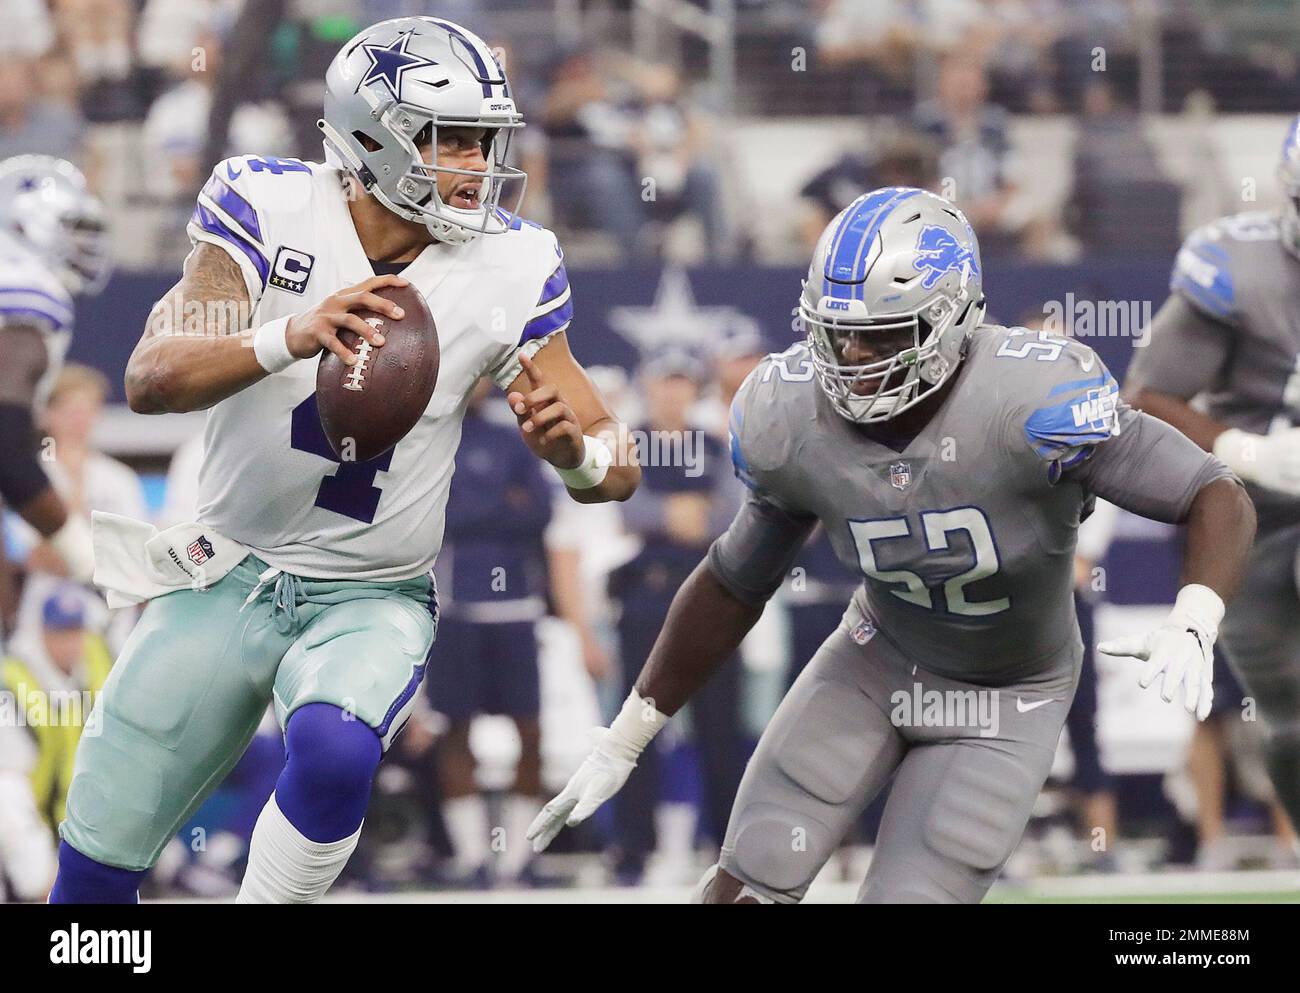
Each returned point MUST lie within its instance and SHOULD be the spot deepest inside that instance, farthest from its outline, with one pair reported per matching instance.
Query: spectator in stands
(671, 142)
(176, 127)
(50, 678)
(31, 122)
(906, 159)
(491, 593)
(85, 478)
(99, 36)
(675, 514)
(974, 146)
(1121, 199)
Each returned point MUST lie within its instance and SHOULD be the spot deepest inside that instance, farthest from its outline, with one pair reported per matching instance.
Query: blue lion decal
(939, 253)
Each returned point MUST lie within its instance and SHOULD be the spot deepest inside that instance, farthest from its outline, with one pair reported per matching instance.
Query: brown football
(368, 408)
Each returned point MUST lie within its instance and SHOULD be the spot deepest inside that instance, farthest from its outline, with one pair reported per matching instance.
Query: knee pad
(777, 852)
(331, 763)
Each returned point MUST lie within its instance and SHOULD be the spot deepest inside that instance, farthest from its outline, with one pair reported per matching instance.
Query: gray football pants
(1261, 639)
(968, 762)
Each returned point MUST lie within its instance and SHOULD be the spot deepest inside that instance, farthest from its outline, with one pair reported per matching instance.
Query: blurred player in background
(491, 576)
(88, 480)
(308, 579)
(52, 246)
(1223, 366)
(676, 515)
(53, 674)
(951, 462)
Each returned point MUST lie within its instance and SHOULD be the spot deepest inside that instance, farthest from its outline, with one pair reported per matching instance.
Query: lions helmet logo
(939, 253)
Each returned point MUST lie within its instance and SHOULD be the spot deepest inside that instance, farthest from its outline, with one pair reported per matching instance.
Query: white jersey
(32, 296)
(269, 478)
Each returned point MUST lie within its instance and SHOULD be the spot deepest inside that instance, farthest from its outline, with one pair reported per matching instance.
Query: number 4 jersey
(964, 534)
(269, 478)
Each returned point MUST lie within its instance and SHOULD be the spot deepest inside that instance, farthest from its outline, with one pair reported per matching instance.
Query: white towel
(134, 561)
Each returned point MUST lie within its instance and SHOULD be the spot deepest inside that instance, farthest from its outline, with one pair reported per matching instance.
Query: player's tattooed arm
(556, 403)
(195, 349)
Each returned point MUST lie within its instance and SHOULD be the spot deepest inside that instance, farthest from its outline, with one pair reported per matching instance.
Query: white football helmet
(1288, 174)
(386, 93)
(44, 203)
(892, 294)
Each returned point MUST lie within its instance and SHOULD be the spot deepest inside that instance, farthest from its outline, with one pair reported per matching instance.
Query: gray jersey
(965, 537)
(1230, 334)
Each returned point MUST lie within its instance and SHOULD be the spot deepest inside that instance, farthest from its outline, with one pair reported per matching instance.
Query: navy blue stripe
(225, 197)
(210, 223)
(408, 691)
(59, 323)
(556, 283)
(478, 59)
(540, 327)
(61, 304)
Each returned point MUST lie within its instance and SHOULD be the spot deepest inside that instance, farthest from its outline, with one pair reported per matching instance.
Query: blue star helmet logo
(388, 62)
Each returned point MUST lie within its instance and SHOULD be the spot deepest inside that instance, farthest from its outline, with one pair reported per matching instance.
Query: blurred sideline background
(687, 153)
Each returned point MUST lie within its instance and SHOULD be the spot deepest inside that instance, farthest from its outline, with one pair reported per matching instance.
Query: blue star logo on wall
(388, 62)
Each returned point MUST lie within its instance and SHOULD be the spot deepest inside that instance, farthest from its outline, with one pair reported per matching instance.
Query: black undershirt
(387, 268)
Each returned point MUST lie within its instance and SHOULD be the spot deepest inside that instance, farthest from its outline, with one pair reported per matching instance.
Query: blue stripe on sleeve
(32, 312)
(209, 222)
(46, 301)
(555, 284)
(540, 327)
(235, 206)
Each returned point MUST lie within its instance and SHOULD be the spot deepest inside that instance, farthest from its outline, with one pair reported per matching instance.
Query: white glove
(76, 547)
(602, 773)
(1271, 460)
(1182, 649)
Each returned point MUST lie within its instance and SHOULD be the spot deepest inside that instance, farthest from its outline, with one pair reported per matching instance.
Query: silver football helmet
(1288, 174)
(44, 203)
(892, 294)
(386, 93)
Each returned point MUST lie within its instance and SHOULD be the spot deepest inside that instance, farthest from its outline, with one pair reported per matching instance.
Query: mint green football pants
(195, 677)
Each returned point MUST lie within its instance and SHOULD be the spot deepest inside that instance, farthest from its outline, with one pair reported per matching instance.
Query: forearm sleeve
(751, 559)
(21, 475)
(1150, 468)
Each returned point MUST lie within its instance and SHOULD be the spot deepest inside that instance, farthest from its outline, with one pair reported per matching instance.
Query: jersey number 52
(936, 526)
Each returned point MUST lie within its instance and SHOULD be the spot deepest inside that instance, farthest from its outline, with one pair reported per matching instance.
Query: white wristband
(593, 468)
(270, 346)
(634, 727)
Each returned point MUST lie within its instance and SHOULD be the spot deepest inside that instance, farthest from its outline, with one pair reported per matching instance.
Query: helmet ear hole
(367, 142)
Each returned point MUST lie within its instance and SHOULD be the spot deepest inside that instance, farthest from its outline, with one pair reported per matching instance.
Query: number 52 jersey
(269, 478)
(965, 533)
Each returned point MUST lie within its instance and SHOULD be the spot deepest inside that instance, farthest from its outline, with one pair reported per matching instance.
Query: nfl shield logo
(199, 550)
(900, 475)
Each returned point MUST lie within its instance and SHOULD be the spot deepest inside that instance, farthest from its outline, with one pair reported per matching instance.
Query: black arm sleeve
(1150, 468)
(21, 475)
(750, 560)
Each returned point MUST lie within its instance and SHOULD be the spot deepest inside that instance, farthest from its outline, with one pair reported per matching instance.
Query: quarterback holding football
(305, 581)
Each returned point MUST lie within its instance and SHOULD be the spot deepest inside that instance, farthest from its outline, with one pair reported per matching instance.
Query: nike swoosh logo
(230, 171)
(1024, 708)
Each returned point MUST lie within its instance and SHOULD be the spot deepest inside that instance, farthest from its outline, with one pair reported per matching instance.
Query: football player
(310, 584)
(950, 463)
(52, 247)
(1223, 366)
